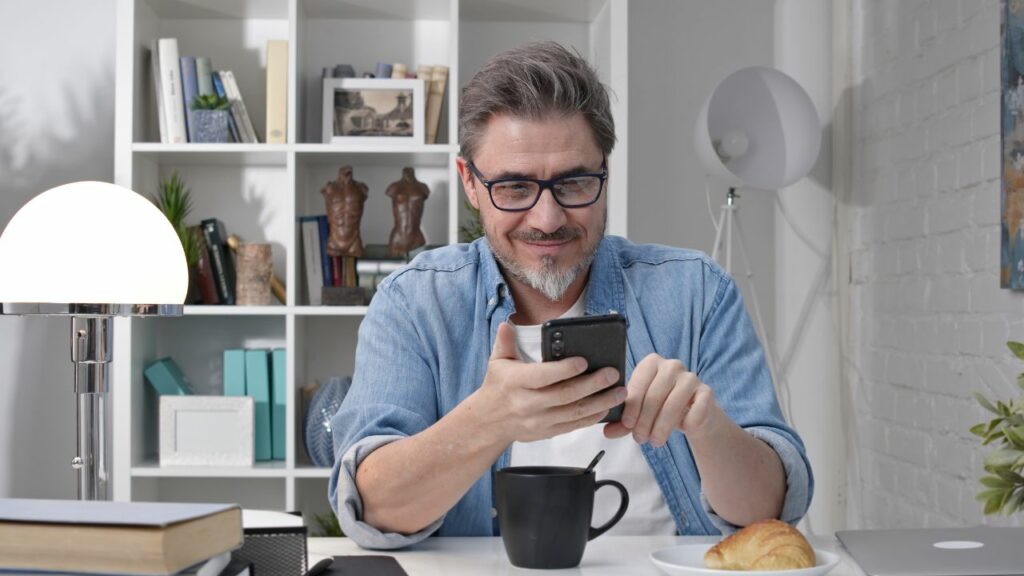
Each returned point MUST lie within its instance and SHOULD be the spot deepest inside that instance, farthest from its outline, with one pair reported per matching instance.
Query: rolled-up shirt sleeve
(798, 495)
(348, 505)
(393, 396)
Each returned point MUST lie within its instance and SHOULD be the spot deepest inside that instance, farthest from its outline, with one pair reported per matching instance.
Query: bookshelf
(259, 191)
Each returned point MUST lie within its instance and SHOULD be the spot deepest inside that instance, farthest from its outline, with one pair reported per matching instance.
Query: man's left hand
(664, 396)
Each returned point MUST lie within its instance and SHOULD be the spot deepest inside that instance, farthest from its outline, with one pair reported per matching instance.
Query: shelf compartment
(217, 310)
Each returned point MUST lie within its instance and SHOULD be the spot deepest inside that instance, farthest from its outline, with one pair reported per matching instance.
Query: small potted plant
(1003, 483)
(210, 118)
(175, 201)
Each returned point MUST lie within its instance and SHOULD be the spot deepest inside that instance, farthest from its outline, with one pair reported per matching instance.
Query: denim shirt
(427, 337)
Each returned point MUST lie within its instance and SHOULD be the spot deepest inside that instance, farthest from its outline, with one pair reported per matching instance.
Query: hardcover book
(278, 409)
(189, 90)
(97, 537)
(234, 372)
(277, 91)
(220, 259)
(166, 377)
(257, 385)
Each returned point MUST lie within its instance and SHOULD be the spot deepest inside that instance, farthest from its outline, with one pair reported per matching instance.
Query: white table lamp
(91, 251)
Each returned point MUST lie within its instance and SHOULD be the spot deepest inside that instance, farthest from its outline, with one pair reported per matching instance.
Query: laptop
(979, 551)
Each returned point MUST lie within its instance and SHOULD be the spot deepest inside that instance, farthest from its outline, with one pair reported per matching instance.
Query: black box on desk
(279, 551)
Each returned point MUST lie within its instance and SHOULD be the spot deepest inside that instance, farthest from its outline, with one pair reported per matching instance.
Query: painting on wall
(1011, 198)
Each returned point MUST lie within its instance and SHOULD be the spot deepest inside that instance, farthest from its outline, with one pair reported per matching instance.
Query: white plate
(688, 560)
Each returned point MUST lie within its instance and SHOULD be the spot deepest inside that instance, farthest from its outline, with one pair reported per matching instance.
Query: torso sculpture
(344, 199)
(407, 198)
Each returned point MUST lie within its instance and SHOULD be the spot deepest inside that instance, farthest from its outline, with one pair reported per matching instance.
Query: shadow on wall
(37, 401)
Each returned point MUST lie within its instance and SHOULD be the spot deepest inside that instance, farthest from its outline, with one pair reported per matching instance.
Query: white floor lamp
(91, 251)
(757, 130)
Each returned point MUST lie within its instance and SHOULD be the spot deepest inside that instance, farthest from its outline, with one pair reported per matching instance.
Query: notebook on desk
(979, 551)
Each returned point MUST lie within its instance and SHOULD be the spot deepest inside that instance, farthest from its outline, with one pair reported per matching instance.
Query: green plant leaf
(1020, 380)
(996, 482)
(993, 503)
(980, 429)
(1017, 348)
(1015, 502)
(1002, 457)
(1015, 435)
(986, 404)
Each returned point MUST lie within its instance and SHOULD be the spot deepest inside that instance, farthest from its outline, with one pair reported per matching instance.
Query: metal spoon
(594, 462)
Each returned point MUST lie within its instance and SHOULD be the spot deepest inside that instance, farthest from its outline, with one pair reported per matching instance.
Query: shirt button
(494, 512)
(491, 302)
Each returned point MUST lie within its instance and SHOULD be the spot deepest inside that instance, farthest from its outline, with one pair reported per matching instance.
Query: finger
(505, 343)
(537, 375)
(614, 430)
(700, 409)
(566, 427)
(668, 372)
(637, 386)
(579, 387)
(674, 409)
(599, 403)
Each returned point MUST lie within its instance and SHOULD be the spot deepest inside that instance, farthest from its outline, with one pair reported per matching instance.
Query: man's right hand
(525, 401)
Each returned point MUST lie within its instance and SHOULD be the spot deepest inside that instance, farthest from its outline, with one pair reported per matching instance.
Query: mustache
(561, 235)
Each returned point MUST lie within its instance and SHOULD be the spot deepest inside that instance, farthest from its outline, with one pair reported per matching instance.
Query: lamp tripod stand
(729, 219)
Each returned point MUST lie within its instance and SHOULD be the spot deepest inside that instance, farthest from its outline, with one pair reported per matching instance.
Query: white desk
(605, 556)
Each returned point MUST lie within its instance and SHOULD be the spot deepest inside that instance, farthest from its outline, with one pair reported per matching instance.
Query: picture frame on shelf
(206, 430)
(373, 111)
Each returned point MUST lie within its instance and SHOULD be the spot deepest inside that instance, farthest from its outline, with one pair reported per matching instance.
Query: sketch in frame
(1011, 198)
(371, 110)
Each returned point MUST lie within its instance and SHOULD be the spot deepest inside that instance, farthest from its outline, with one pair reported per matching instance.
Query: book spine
(325, 260)
(204, 76)
(161, 114)
(398, 70)
(438, 79)
(219, 260)
(234, 372)
(257, 385)
(336, 271)
(235, 94)
(277, 91)
(278, 410)
(364, 266)
(311, 259)
(204, 277)
(170, 82)
(218, 88)
(189, 90)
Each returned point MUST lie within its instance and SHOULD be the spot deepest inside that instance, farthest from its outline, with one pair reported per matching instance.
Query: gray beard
(548, 280)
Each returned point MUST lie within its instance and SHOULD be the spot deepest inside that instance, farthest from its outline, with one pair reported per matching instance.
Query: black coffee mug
(544, 513)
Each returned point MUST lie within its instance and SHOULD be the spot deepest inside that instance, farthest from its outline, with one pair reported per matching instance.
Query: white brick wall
(928, 319)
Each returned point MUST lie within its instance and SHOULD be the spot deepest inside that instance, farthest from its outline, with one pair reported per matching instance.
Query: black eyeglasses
(521, 194)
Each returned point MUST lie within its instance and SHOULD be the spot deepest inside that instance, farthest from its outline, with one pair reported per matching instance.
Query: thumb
(505, 343)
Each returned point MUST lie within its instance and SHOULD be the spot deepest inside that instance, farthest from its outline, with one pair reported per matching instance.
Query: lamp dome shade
(758, 128)
(91, 243)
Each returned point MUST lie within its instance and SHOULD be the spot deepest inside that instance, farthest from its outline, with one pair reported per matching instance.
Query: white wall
(678, 52)
(56, 126)
(928, 320)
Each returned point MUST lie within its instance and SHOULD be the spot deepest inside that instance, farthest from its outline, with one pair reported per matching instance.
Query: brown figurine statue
(407, 198)
(344, 198)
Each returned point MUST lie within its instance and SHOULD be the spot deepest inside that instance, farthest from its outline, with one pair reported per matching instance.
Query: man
(445, 392)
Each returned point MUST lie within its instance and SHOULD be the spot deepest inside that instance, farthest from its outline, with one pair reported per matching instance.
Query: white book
(231, 89)
(313, 260)
(154, 61)
(170, 85)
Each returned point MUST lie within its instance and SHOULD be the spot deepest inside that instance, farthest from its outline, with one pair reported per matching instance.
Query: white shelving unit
(259, 191)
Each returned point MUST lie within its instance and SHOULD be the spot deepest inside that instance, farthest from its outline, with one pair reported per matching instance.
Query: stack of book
(91, 537)
(177, 81)
(260, 373)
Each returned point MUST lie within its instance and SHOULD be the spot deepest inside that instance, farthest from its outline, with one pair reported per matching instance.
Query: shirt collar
(605, 288)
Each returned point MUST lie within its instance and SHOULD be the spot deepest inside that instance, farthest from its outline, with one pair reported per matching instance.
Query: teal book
(277, 402)
(166, 377)
(234, 372)
(257, 385)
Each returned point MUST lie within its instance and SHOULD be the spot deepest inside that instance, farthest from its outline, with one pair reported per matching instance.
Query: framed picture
(1011, 198)
(373, 110)
(206, 430)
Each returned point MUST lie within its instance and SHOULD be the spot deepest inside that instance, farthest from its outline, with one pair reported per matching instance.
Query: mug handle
(595, 532)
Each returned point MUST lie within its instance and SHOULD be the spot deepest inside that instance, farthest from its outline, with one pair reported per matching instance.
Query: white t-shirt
(623, 461)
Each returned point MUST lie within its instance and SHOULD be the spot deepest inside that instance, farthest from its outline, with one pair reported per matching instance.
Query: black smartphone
(599, 339)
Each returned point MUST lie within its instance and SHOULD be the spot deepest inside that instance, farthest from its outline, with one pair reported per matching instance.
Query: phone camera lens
(557, 349)
(556, 336)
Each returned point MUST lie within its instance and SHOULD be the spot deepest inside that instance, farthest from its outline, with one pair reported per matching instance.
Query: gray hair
(534, 81)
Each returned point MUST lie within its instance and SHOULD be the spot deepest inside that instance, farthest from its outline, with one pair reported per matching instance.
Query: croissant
(764, 545)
